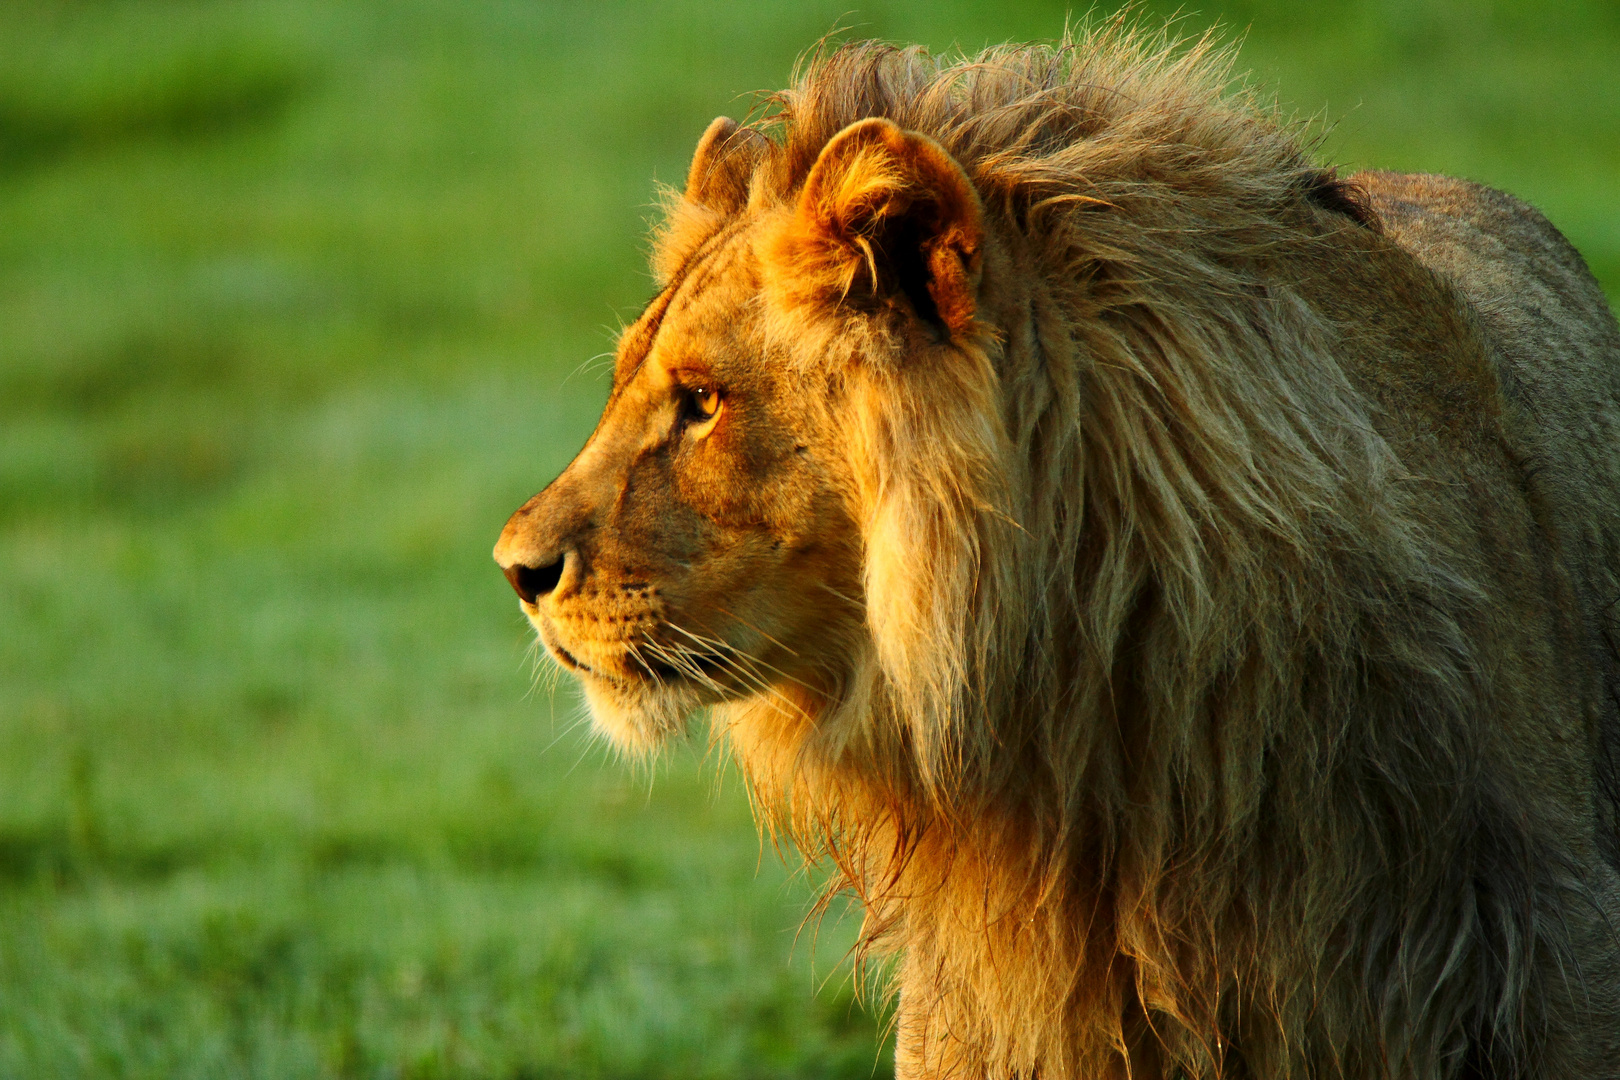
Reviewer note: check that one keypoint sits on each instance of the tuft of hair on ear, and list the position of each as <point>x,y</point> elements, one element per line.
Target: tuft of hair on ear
<point>716,188</point>
<point>887,214</point>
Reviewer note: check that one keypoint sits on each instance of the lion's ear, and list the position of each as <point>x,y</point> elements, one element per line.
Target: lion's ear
<point>890,212</point>
<point>723,164</point>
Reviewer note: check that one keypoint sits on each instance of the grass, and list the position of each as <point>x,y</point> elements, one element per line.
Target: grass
<point>297,302</point>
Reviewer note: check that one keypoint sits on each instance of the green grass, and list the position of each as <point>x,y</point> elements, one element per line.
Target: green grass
<point>297,301</point>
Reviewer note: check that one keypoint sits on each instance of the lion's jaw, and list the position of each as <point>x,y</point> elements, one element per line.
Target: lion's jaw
<point>688,558</point>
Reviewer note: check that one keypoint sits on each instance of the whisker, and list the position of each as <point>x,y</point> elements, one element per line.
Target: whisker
<point>720,652</point>
<point>747,657</point>
<point>684,661</point>
<point>582,716</point>
<point>590,744</point>
<point>735,658</point>
<point>851,601</point>
<point>632,647</point>
<point>757,630</point>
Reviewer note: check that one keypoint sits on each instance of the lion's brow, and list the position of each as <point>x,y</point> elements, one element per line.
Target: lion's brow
<point>652,319</point>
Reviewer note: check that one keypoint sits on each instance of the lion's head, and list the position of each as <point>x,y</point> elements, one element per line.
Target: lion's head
<point>713,539</point>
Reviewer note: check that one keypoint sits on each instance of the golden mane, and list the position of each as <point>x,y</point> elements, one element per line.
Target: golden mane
<point>1148,587</point>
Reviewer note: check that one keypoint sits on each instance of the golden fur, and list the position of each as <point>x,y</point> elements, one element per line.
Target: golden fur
<point>1170,584</point>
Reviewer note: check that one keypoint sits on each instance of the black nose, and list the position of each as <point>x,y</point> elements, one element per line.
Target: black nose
<point>533,582</point>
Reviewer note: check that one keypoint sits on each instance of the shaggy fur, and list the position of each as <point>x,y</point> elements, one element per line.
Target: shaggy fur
<point>1172,585</point>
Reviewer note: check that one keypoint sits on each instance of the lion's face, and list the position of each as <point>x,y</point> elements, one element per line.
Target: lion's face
<point>703,546</point>
<point>698,548</point>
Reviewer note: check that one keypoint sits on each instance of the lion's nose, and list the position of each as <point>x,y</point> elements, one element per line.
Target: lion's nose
<point>533,582</point>
<point>541,541</point>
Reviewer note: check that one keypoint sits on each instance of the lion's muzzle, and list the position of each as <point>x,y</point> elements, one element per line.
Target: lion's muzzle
<point>538,544</point>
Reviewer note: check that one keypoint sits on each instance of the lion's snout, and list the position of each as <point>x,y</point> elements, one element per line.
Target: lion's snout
<point>538,544</point>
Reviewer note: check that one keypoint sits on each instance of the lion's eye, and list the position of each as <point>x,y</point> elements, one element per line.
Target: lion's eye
<point>705,402</point>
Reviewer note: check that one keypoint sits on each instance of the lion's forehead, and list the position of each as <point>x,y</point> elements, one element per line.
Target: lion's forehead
<point>723,276</point>
<point>707,314</point>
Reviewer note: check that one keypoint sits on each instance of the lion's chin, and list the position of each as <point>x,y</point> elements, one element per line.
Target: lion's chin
<point>638,718</point>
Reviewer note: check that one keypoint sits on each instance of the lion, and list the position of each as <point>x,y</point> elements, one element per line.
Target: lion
<point>1170,584</point>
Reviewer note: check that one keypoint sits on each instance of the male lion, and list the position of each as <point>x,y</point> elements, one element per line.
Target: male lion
<point>1170,584</point>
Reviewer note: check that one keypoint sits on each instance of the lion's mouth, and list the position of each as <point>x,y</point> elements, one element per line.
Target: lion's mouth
<point>570,661</point>
<point>705,669</point>
<point>649,662</point>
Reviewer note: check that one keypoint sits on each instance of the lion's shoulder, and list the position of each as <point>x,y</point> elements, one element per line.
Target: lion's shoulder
<point>1545,323</point>
<point>1407,201</point>
<point>1534,294</point>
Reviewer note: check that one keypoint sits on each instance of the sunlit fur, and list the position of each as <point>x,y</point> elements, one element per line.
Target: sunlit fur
<point>1232,698</point>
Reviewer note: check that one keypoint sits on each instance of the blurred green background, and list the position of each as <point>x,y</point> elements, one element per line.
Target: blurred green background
<point>297,302</point>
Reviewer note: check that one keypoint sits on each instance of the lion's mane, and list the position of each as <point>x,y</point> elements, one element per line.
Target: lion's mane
<point>1173,741</point>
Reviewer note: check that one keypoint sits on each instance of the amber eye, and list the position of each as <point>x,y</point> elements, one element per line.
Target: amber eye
<point>705,402</point>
